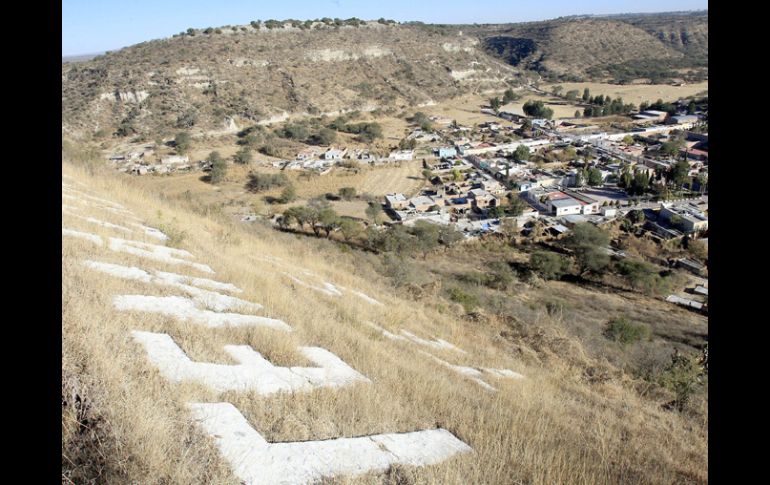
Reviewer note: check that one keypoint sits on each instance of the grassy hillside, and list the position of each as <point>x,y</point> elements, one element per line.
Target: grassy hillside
<point>124,422</point>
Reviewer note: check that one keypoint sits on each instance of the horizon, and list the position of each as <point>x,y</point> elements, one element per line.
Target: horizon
<point>89,29</point>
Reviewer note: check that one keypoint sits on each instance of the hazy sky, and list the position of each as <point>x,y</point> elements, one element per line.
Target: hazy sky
<point>90,26</point>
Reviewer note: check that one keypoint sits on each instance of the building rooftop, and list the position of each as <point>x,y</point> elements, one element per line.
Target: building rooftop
<point>687,211</point>
<point>568,202</point>
<point>421,200</point>
<point>574,219</point>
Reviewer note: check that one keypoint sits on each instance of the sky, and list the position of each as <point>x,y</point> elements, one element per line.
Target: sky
<point>96,26</point>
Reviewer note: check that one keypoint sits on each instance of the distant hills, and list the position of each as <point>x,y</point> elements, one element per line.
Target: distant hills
<point>206,78</point>
<point>619,48</point>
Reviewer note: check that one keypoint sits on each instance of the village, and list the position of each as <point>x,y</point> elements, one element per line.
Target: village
<point>526,176</point>
<point>564,175</point>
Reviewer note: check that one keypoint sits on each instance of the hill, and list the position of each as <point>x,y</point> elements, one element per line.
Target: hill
<point>618,47</point>
<point>220,80</point>
<point>244,75</point>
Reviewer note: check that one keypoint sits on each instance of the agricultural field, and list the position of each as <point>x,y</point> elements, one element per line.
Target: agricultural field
<point>404,177</point>
<point>635,93</point>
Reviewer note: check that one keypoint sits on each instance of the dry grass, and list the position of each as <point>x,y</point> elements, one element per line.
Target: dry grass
<point>551,428</point>
<point>402,177</point>
<point>635,93</point>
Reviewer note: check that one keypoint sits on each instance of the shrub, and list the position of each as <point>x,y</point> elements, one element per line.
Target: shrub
<point>187,119</point>
<point>175,235</point>
<point>288,194</point>
<point>468,301</point>
<point>269,150</point>
<point>682,376</point>
<point>347,193</point>
<point>218,167</point>
<point>324,136</point>
<point>622,331</point>
<point>374,211</point>
<point>265,181</point>
<point>643,276</point>
<point>243,156</point>
<point>294,131</point>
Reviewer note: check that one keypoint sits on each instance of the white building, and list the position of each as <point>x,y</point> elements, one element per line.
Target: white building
<point>334,154</point>
<point>401,155</point>
<point>175,159</point>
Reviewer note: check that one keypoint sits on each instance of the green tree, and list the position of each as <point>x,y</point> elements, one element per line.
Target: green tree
<point>636,216</point>
<point>572,95</point>
<point>640,183</point>
<point>672,146</point>
<point>320,216</point>
<point>497,211</point>
<point>516,205</point>
<point>556,90</point>
<point>521,153</point>
<point>427,235</point>
<point>350,229</point>
<point>548,265</point>
<point>509,96</point>
<point>628,140</point>
<point>626,177</point>
<point>577,113</point>
<point>182,142</point>
<point>679,173</point>
<point>218,167</point>
<point>374,212</point>
<point>586,95</point>
<point>579,178</point>
<point>449,236</point>
<point>588,243</point>
<point>456,175</point>
<point>407,144</point>
<point>298,214</point>
<point>537,109</point>
<point>294,131</point>
<point>697,249</point>
<point>594,177</point>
